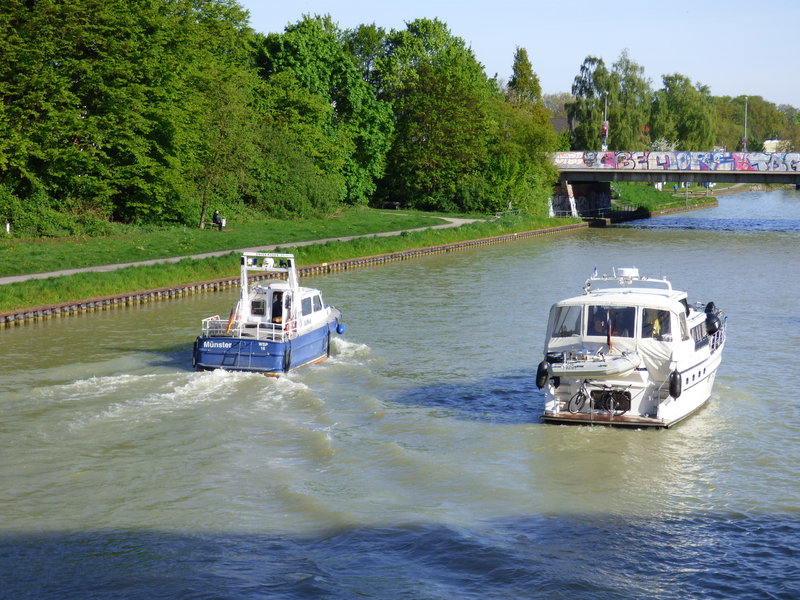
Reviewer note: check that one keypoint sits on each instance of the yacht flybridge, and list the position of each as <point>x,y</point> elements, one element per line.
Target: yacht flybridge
<point>630,351</point>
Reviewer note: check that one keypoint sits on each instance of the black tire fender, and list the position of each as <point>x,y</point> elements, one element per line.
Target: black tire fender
<point>542,374</point>
<point>675,384</point>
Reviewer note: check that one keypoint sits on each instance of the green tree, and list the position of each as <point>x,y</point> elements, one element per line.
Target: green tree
<point>105,99</point>
<point>524,84</point>
<point>519,173</point>
<point>225,152</point>
<point>314,50</point>
<point>683,114</point>
<point>764,121</point>
<point>592,91</point>
<point>300,165</point>
<point>365,44</point>
<point>440,93</point>
<point>557,103</point>
<point>629,105</point>
<point>791,132</point>
<point>729,126</point>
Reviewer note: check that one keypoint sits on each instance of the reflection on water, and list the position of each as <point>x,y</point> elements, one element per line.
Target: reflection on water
<point>412,463</point>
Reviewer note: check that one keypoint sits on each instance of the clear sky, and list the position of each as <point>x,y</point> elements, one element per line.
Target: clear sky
<point>737,47</point>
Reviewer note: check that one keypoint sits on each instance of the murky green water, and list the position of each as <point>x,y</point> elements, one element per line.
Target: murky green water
<point>412,464</point>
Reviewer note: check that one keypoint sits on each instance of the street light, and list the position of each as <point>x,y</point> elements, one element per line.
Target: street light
<point>744,139</point>
<point>604,127</point>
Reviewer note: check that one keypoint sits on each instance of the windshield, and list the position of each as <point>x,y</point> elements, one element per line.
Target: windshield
<point>566,321</point>
<point>611,320</point>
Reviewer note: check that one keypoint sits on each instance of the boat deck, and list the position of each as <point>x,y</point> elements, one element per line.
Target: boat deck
<point>606,419</point>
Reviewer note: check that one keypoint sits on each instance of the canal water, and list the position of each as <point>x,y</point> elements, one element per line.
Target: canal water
<point>412,464</point>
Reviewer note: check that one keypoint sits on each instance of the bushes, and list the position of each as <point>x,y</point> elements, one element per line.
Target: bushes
<point>39,216</point>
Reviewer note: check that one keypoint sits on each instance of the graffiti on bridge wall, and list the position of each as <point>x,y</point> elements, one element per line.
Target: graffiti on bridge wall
<point>680,161</point>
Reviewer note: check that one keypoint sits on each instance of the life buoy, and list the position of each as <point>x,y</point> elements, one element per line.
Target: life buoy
<point>542,374</point>
<point>289,325</point>
<point>675,384</point>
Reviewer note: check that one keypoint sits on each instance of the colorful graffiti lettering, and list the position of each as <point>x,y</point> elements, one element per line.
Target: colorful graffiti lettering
<point>680,161</point>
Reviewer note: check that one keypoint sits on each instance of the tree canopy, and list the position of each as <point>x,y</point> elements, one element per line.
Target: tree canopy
<point>678,115</point>
<point>162,111</point>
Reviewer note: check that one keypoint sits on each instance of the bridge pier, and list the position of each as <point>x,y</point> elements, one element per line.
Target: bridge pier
<point>582,199</point>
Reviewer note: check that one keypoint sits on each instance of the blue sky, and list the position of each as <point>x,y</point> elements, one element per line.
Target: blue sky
<point>736,47</point>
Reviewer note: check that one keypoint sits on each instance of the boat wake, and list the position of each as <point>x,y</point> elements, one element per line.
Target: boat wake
<point>344,351</point>
<point>145,398</point>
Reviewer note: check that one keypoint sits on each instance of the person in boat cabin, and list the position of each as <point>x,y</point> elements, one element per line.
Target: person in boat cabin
<point>277,307</point>
<point>599,326</point>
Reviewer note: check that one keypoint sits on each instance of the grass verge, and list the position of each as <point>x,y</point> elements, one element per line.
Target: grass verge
<point>40,292</point>
<point>19,257</point>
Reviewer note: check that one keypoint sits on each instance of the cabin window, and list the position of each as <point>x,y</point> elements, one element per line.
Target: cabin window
<point>567,321</point>
<point>306,306</point>
<point>655,324</point>
<point>317,303</point>
<point>699,335</point>
<point>611,320</point>
<point>258,308</point>
<point>684,327</point>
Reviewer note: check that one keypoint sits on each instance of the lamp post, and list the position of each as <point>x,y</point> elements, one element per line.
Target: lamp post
<point>744,139</point>
<point>604,126</point>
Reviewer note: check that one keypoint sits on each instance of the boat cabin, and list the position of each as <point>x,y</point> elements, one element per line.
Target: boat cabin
<point>633,315</point>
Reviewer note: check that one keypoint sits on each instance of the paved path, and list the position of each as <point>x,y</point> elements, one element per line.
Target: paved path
<point>451,222</point>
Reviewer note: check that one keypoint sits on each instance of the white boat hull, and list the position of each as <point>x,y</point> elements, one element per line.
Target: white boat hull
<point>630,351</point>
<point>651,404</point>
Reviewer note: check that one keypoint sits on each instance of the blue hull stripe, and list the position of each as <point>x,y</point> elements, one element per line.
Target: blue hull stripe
<point>243,354</point>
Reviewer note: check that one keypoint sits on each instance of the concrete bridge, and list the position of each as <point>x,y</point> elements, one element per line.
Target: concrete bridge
<point>696,167</point>
<point>585,177</point>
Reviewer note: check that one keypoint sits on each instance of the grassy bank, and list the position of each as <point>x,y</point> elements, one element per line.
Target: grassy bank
<point>640,195</point>
<point>132,279</point>
<point>143,243</point>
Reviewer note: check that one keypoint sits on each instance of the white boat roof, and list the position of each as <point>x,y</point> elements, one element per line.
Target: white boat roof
<point>625,287</point>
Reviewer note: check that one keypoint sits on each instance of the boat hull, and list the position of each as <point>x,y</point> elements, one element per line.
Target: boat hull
<point>263,356</point>
<point>612,420</point>
<point>647,410</point>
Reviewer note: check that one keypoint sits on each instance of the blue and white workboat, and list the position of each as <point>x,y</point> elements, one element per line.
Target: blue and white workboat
<point>630,351</point>
<point>276,326</point>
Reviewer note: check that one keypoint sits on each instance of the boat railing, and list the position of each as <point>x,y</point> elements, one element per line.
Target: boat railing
<point>271,332</point>
<point>718,338</point>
